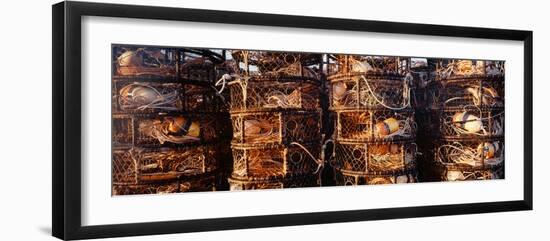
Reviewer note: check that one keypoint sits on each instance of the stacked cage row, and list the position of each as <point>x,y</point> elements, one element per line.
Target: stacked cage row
<point>374,126</point>
<point>467,111</point>
<point>276,120</point>
<point>170,126</point>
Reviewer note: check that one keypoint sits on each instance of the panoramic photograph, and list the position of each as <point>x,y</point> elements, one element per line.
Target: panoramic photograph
<point>188,119</point>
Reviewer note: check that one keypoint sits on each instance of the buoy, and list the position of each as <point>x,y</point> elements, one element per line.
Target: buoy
<point>140,94</point>
<point>129,59</point>
<point>488,150</point>
<point>339,90</point>
<point>386,127</point>
<point>468,122</point>
<point>184,127</point>
<point>402,179</point>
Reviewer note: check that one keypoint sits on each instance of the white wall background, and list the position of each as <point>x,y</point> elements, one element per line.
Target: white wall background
<point>25,122</point>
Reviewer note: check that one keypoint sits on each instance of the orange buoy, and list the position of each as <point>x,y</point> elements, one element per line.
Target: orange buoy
<point>184,127</point>
<point>487,149</point>
<point>386,127</point>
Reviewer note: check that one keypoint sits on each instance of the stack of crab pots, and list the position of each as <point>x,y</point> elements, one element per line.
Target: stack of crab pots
<point>170,127</point>
<point>374,127</point>
<point>467,107</point>
<point>276,118</point>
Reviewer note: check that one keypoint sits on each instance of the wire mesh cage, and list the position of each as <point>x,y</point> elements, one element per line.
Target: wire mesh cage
<point>194,184</point>
<point>375,125</point>
<point>276,127</point>
<point>202,65</point>
<point>151,97</point>
<point>277,65</point>
<point>481,92</point>
<point>180,129</point>
<point>470,153</point>
<point>344,178</point>
<point>340,64</point>
<point>169,64</point>
<point>123,131</point>
<point>374,158</point>
<point>139,166</point>
<point>453,172</point>
<point>369,91</point>
<point>288,182</point>
<point>269,161</point>
<point>254,95</point>
<point>448,69</point>
<point>144,61</point>
<point>471,121</point>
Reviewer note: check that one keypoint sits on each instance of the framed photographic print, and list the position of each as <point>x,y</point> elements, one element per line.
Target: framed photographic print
<point>170,120</point>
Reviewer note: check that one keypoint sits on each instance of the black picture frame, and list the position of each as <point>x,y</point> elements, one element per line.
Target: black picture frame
<point>66,47</point>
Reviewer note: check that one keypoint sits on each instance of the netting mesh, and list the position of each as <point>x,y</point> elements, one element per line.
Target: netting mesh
<point>276,127</point>
<point>471,153</point>
<point>206,183</point>
<point>144,61</point>
<point>124,168</point>
<point>364,64</point>
<point>375,157</point>
<point>123,129</point>
<point>454,173</point>
<point>288,182</point>
<point>360,91</point>
<point>277,64</point>
<point>344,178</point>
<point>471,121</point>
<point>382,125</point>
<point>152,97</point>
<point>464,68</point>
<point>249,95</point>
<point>480,92</point>
<point>180,129</point>
<point>137,165</point>
<point>273,161</point>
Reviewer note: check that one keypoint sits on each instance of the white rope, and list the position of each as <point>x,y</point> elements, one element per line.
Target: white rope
<point>406,96</point>
<point>319,162</point>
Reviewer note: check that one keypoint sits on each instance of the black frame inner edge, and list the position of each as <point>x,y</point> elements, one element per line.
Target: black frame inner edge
<point>66,127</point>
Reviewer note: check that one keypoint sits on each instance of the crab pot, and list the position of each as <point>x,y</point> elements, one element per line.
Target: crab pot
<point>262,161</point>
<point>277,65</point>
<point>375,125</point>
<point>190,184</point>
<point>449,69</point>
<point>201,65</point>
<point>470,153</point>
<point>151,97</point>
<point>276,127</point>
<point>364,64</point>
<point>122,131</point>
<point>140,166</point>
<point>483,92</point>
<point>144,61</point>
<point>360,91</point>
<point>175,130</point>
<point>344,178</point>
<point>471,122</point>
<point>375,157</point>
<point>453,172</point>
<point>236,184</point>
<point>263,95</point>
